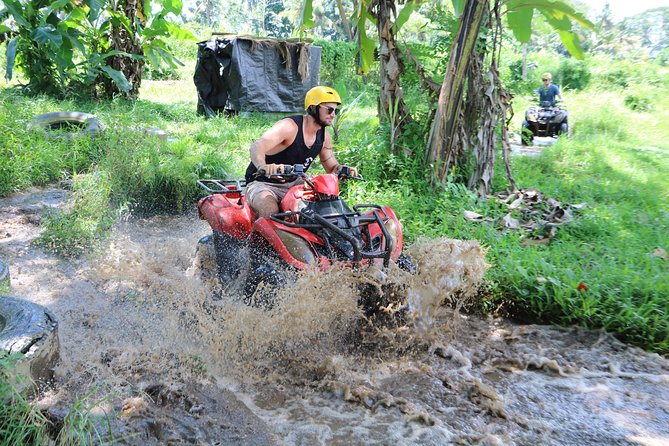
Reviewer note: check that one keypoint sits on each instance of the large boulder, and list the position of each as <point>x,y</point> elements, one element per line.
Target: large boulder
<point>4,277</point>
<point>32,330</point>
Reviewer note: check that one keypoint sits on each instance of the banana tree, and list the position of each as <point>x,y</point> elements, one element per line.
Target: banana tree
<point>447,144</point>
<point>451,136</point>
<point>391,102</point>
<point>39,41</point>
<point>95,46</point>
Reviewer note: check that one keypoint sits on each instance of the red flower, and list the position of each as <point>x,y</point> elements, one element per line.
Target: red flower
<point>582,287</point>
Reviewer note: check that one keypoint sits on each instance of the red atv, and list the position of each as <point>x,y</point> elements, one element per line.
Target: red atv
<point>315,227</point>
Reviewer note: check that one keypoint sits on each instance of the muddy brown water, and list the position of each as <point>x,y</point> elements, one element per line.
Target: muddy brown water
<point>152,354</point>
<point>539,143</point>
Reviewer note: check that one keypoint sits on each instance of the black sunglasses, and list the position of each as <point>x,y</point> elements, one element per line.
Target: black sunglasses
<point>331,110</point>
<point>545,80</point>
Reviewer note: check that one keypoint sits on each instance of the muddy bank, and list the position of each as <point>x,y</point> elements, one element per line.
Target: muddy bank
<point>145,345</point>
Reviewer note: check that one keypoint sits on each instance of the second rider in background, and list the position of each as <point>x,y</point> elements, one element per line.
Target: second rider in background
<point>548,91</point>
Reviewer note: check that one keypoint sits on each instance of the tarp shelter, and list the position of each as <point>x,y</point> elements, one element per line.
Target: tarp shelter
<point>238,73</point>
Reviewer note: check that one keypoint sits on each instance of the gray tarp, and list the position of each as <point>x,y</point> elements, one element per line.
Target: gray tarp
<point>245,74</point>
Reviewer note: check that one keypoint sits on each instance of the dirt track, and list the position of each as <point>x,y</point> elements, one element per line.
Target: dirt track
<point>145,345</point>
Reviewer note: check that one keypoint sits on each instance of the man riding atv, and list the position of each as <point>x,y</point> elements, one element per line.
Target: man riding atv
<point>548,119</point>
<point>278,220</point>
<point>297,139</point>
<point>548,91</point>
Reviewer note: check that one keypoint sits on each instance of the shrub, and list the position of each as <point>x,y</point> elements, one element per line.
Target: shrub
<point>516,70</point>
<point>573,74</point>
<point>337,60</point>
<point>618,76</point>
<point>662,59</point>
<point>638,102</point>
<point>627,74</point>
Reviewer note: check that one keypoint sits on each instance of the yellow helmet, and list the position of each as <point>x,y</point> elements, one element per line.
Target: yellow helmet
<point>546,76</point>
<point>320,94</point>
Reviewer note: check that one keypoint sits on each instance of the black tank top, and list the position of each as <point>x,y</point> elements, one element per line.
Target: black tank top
<point>296,153</point>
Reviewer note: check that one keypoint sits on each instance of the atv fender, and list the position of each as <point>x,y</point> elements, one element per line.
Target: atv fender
<point>292,201</point>
<point>227,213</point>
<point>292,245</point>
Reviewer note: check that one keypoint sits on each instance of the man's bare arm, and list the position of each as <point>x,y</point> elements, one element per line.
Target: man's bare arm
<point>328,159</point>
<point>272,142</point>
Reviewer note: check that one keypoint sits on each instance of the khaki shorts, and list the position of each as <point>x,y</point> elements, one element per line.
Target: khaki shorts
<point>278,190</point>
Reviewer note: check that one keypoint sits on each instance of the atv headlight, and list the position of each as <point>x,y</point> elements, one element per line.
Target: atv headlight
<point>531,117</point>
<point>393,229</point>
<point>297,247</point>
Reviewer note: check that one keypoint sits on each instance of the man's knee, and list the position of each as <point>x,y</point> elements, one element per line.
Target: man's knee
<point>265,204</point>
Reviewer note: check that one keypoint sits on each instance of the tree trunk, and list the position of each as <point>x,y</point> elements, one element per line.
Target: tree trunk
<point>344,19</point>
<point>524,69</point>
<point>489,110</point>
<point>392,107</point>
<point>127,41</point>
<point>442,144</point>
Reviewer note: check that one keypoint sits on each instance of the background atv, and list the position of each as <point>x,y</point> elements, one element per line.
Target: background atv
<point>547,119</point>
<point>315,227</point>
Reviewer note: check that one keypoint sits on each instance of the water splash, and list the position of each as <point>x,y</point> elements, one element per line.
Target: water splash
<point>138,324</point>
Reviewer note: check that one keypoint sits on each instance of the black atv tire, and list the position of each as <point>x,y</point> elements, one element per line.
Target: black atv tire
<point>30,329</point>
<point>73,121</point>
<point>564,129</point>
<point>526,135</point>
<point>406,263</point>
<point>228,256</point>
<point>205,258</point>
<point>269,269</point>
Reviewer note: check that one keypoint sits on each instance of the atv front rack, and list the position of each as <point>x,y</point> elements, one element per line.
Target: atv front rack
<point>222,186</point>
<point>353,220</point>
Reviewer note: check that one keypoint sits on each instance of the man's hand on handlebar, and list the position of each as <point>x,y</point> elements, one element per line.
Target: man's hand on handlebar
<point>281,172</point>
<point>269,170</point>
<point>344,171</point>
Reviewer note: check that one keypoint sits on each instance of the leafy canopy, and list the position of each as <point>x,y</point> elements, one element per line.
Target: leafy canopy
<point>63,44</point>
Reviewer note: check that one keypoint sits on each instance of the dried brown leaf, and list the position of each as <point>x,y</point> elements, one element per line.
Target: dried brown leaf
<point>661,253</point>
<point>473,216</point>
<point>509,222</point>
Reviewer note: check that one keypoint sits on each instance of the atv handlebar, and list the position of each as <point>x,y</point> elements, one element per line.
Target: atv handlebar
<point>221,186</point>
<point>293,172</point>
<point>288,173</point>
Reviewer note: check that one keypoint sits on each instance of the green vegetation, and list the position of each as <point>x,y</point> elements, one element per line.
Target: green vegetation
<point>23,424</point>
<point>20,422</point>
<point>86,48</point>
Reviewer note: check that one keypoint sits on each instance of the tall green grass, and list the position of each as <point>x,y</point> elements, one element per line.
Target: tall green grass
<point>616,163</point>
<point>23,424</point>
<point>20,422</point>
